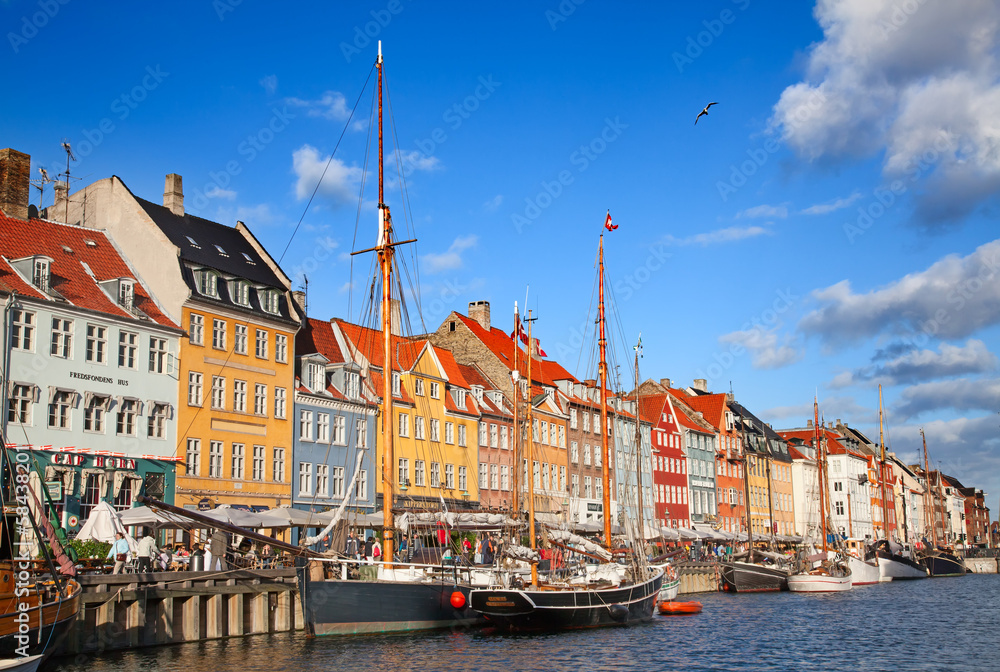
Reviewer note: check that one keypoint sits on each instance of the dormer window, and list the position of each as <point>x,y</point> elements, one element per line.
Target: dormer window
<point>315,377</point>
<point>477,392</point>
<point>40,273</point>
<point>207,282</point>
<point>221,251</point>
<point>194,243</point>
<point>268,300</point>
<point>241,292</point>
<point>459,396</point>
<point>249,259</point>
<point>353,386</point>
<point>126,293</point>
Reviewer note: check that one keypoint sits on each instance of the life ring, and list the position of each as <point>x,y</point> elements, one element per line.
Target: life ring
<point>72,521</point>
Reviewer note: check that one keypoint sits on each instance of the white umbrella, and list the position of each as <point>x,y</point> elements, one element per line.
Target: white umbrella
<point>669,533</point>
<point>143,515</point>
<point>285,516</point>
<point>685,533</point>
<point>102,524</point>
<point>237,517</point>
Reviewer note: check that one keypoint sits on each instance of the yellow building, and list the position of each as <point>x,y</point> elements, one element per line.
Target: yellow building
<point>759,465</point>
<point>435,420</point>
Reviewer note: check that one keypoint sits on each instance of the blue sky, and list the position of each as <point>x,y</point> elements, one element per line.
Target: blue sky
<point>828,226</point>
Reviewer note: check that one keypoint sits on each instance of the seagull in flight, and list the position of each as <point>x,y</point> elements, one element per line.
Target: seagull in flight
<point>703,113</point>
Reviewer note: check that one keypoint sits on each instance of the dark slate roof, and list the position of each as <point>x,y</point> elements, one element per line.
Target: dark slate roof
<point>208,234</point>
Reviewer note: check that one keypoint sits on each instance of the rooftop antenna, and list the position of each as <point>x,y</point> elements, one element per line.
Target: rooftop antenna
<point>40,183</point>
<point>69,157</point>
<point>305,288</point>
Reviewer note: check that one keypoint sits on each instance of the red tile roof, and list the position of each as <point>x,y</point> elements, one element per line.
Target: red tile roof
<point>651,408</point>
<point>317,337</point>
<point>69,249</point>
<point>711,406</point>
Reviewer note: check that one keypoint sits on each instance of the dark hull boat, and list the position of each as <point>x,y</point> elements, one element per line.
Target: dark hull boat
<point>555,609</point>
<point>333,607</point>
<point>941,563</point>
<point>47,613</point>
<point>745,577</point>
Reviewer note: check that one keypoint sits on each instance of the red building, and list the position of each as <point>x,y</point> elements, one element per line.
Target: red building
<point>670,484</point>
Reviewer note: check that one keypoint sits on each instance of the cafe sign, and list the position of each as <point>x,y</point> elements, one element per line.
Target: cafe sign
<point>94,461</point>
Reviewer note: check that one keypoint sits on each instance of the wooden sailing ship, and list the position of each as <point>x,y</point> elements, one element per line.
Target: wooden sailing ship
<point>939,559</point>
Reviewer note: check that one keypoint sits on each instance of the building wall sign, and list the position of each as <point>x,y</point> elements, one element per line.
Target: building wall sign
<point>98,379</point>
<point>97,462</point>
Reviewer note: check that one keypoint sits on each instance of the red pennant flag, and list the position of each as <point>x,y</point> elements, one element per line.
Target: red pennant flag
<point>607,223</point>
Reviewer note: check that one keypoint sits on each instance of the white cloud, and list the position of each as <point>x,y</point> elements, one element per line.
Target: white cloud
<point>769,351</point>
<point>413,160</point>
<point>252,215</point>
<point>331,105</point>
<point>826,208</point>
<point>915,365</point>
<point>961,394</point>
<point>452,259</point>
<point>951,299</point>
<point>340,183</point>
<point>831,407</point>
<point>727,235</point>
<point>780,211</point>
<point>345,288</point>
<point>493,204</point>
<point>917,80</point>
<point>270,84</point>
<point>214,191</point>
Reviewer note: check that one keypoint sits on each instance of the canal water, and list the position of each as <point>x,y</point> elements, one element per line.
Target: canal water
<point>933,624</point>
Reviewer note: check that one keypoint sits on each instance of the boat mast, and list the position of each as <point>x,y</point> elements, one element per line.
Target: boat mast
<point>944,516</point>
<point>516,382</point>
<point>638,453</point>
<point>820,465</point>
<point>770,499</point>
<point>746,488</point>
<point>881,478</point>
<point>385,264</point>
<point>928,495</point>
<point>531,460</point>
<point>602,369</point>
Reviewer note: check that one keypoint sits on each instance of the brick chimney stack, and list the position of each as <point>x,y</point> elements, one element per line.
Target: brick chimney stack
<point>700,384</point>
<point>480,312</point>
<point>15,173</point>
<point>173,194</point>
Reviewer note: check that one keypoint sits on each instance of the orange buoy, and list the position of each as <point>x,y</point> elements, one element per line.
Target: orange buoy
<point>457,599</point>
<point>679,608</point>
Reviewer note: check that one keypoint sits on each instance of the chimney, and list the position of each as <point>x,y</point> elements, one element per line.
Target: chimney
<point>809,423</point>
<point>480,312</point>
<point>590,382</point>
<point>300,301</point>
<point>666,382</point>
<point>700,384</point>
<point>173,194</point>
<point>59,206</point>
<point>15,173</point>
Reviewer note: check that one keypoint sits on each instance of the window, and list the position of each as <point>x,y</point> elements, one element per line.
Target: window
<point>353,385</point>
<point>258,463</point>
<point>127,345</point>
<point>504,477</point>
<point>597,424</point>
<point>261,345</point>
<point>40,274</point>
<point>463,479</point>
<point>315,376</point>
<point>361,487</point>
<point>279,403</point>
<point>403,471</point>
<point>588,491</point>
<point>215,459</point>
<point>449,432</point>
<point>598,488</point>
<point>435,430</point>
<point>562,436</point>
<point>494,436</point>
<point>194,388</point>
<point>418,387</point>
<point>435,474</point>
<point>91,495</point>
<point>575,485</point>
<point>157,355</point>
<point>360,426</point>
<point>574,453</point>
<point>483,430</point>
<point>240,339</point>
<point>22,330</point>
<point>597,456</point>
<point>157,421</point>
<point>461,435</point>
<point>338,483</point>
<point>241,292</point>
<point>586,421</point>
<point>396,385</point>
<point>192,458</point>
<point>449,476</point>
<point>572,418</point>
<point>218,392</point>
<point>268,299</point>
<point>21,399</point>
<point>534,431</point>
<point>208,283</point>
<point>537,474</point>
<point>260,399</point>
<point>306,425</point>
<point>562,479</point>
<point>323,480</point>
<point>839,508</point>
<point>419,473</point>
<point>127,413</point>
<point>545,476</point>
<point>418,428</point>
<point>460,398</point>
<point>305,478</point>
<point>219,334</point>
<point>240,396</point>
<point>238,462</point>
<point>545,432</point>
<point>504,445</point>
<point>62,338</point>
<point>323,427</point>
<point>404,424</point>
<point>484,475</point>
<point>435,390</point>
<point>93,414</point>
<point>281,348</point>
<point>196,329</point>
<point>494,476</point>
<point>278,466</point>
<point>838,486</point>
<point>97,344</point>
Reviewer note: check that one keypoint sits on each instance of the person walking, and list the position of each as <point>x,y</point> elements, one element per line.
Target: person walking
<point>369,545</point>
<point>147,552</point>
<point>218,545</point>
<point>351,549</point>
<point>119,552</point>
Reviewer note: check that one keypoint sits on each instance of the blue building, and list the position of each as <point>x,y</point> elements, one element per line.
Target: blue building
<point>627,472</point>
<point>334,433</point>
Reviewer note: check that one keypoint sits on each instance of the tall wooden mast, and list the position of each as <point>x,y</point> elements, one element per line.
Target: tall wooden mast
<point>820,466</point>
<point>638,449</point>
<point>385,264</point>
<point>602,369</point>
<point>531,459</point>
<point>929,513</point>
<point>515,376</point>
<point>881,476</point>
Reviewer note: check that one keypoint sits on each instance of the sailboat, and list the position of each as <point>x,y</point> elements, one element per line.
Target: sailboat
<point>611,595</point>
<point>894,563</point>
<point>865,571</point>
<point>831,574</point>
<point>386,597</point>
<point>940,560</point>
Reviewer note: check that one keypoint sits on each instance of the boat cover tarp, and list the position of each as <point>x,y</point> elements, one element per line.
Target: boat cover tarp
<point>568,538</point>
<point>453,520</point>
<point>521,553</point>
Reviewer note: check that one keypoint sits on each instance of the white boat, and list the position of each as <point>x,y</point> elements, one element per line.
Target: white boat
<point>898,568</point>
<point>818,582</point>
<point>20,664</point>
<point>669,589</point>
<point>863,573</point>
